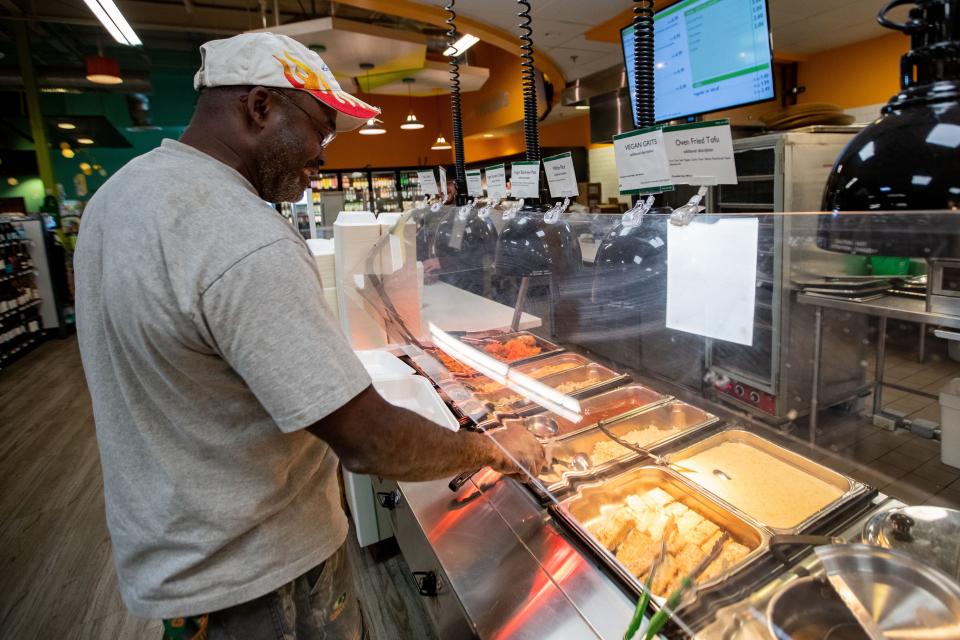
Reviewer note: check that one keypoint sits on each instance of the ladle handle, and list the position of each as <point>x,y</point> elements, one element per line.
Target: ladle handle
<point>462,479</point>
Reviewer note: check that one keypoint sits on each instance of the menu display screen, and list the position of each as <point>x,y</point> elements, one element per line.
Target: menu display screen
<point>709,55</point>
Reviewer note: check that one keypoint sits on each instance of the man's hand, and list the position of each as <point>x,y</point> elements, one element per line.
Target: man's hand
<point>523,447</point>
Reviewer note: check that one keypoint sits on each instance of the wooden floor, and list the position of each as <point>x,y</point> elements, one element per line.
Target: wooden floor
<point>56,573</point>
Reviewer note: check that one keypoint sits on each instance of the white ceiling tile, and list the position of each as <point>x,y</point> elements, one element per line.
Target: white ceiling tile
<point>581,42</point>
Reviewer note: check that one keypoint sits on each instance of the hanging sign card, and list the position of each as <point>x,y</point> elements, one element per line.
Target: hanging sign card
<point>525,179</point>
<point>443,181</point>
<point>428,182</point>
<point>474,183</point>
<point>561,176</point>
<point>497,181</point>
<point>642,165</point>
<point>701,153</point>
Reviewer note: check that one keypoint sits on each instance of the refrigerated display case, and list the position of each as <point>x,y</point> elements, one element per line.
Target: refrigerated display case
<point>410,191</point>
<point>356,191</point>
<point>386,194</point>
<point>653,490</point>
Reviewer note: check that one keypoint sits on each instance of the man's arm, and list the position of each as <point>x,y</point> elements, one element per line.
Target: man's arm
<point>372,436</point>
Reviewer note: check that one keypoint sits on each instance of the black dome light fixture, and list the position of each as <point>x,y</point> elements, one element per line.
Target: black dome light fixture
<point>910,157</point>
<point>464,239</point>
<point>529,245</point>
<point>633,245</point>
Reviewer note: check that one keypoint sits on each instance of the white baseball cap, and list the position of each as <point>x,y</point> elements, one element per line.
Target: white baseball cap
<point>278,61</point>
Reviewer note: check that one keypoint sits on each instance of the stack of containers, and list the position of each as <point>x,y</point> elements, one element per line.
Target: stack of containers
<point>323,254</point>
<point>354,235</point>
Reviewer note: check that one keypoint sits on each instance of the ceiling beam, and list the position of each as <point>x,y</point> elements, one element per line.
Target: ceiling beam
<point>438,17</point>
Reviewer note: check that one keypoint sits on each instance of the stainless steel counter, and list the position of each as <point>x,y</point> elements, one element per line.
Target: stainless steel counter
<point>512,573</point>
<point>504,568</point>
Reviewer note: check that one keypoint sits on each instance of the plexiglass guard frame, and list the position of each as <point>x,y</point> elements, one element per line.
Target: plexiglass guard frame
<point>670,450</point>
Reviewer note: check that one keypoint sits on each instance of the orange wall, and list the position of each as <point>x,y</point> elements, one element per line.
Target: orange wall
<point>855,75</point>
<point>570,132</point>
<point>396,148</point>
<point>500,101</point>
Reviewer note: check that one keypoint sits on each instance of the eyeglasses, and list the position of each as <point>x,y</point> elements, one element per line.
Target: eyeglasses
<point>327,136</point>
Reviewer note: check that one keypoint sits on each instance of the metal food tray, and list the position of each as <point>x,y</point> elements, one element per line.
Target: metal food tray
<point>619,402</point>
<point>547,348</point>
<point>607,379</point>
<point>583,507</point>
<point>851,490</point>
<point>683,420</point>
<point>531,369</point>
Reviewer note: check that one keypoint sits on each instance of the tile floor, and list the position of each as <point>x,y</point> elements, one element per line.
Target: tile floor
<point>898,463</point>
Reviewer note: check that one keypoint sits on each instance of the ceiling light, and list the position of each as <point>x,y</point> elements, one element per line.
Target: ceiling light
<point>460,46</point>
<point>582,106</point>
<point>488,135</point>
<point>67,153</point>
<point>85,140</point>
<point>411,122</point>
<point>441,144</point>
<point>85,166</point>
<point>12,182</point>
<point>372,128</point>
<point>113,21</point>
<point>101,70</point>
<point>66,126</point>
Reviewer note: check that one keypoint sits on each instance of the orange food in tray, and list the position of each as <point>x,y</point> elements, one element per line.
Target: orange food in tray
<point>514,349</point>
<point>453,366</point>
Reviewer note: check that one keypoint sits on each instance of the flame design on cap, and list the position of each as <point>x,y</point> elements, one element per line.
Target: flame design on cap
<point>301,75</point>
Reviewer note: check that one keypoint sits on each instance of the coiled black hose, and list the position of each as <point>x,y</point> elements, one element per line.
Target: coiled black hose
<point>531,133</point>
<point>456,107</point>
<point>643,54</point>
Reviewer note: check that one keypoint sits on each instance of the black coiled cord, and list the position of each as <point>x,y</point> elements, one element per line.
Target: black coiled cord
<point>456,107</point>
<point>531,133</point>
<point>643,54</point>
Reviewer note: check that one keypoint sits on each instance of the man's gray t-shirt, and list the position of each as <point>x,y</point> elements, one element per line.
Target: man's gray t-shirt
<point>207,349</point>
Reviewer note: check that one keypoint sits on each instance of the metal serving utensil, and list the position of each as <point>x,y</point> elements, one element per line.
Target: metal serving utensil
<point>660,460</point>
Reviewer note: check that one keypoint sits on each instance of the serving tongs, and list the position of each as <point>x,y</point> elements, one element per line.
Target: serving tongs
<point>661,617</point>
<point>658,460</point>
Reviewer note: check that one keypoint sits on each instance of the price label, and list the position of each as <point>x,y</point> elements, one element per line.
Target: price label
<point>701,153</point>
<point>428,182</point>
<point>474,183</point>
<point>497,181</point>
<point>642,164</point>
<point>525,179</point>
<point>561,176</point>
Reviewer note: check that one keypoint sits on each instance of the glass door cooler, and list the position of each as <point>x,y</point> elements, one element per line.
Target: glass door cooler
<point>356,191</point>
<point>410,191</point>
<point>386,195</point>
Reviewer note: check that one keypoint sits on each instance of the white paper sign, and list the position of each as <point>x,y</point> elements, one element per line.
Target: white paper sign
<point>525,179</point>
<point>701,153</point>
<point>561,176</point>
<point>642,164</point>
<point>474,183</point>
<point>443,181</point>
<point>497,181</point>
<point>701,254</point>
<point>428,182</point>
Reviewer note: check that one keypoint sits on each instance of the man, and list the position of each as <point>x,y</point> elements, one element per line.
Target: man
<point>223,394</point>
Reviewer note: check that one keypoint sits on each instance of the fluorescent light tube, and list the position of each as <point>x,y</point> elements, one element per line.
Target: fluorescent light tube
<point>113,21</point>
<point>460,46</point>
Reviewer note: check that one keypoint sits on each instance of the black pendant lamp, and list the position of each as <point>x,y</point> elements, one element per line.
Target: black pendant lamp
<point>910,157</point>
<point>465,241</point>
<point>528,245</point>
